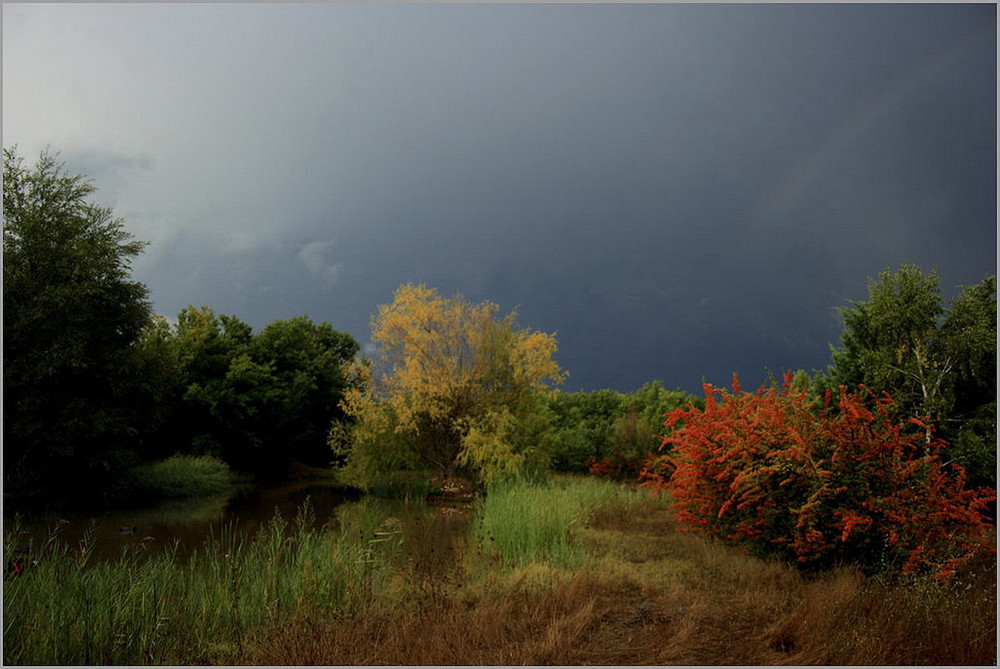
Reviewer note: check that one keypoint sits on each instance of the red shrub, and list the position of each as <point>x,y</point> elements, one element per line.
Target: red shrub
<point>618,468</point>
<point>602,467</point>
<point>774,474</point>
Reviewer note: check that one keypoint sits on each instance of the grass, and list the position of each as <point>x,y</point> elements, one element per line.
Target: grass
<point>578,572</point>
<point>157,609</point>
<point>522,523</point>
<point>637,591</point>
<point>179,476</point>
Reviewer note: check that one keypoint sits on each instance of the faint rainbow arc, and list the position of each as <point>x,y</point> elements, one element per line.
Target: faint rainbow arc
<point>860,121</point>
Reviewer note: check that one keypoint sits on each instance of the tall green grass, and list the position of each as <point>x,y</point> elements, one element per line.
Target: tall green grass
<point>522,522</point>
<point>157,609</point>
<point>180,476</point>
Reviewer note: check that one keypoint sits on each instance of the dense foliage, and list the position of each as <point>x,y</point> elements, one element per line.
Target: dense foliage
<point>254,400</point>
<point>95,387</point>
<point>820,485</point>
<point>456,391</point>
<point>607,432</point>
<point>74,394</point>
<point>935,362</point>
<point>97,391</point>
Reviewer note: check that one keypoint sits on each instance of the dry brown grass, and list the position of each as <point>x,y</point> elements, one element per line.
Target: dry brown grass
<point>650,595</point>
<point>843,620</point>
<point>525,626</point>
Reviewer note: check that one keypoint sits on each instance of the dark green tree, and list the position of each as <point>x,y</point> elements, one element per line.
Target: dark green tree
<point>72,318</point>
<point>584,424</point>
<point>638,428</point>
<point>222,390</point>
<point>257,401</point>
<point>305,360</point>
<point>892,342</point>
<point>159,376</point>
<point>970,339</point>
<point>618,429</point>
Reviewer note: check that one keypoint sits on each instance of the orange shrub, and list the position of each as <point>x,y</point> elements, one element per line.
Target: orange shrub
<point>775,474</point>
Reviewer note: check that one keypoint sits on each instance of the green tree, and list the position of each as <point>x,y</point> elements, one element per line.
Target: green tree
<point>970,338</point>
<point>652,402</point>
<point>72,319</point>
<point>892,341</point>
<point>615,430</point>
<point>455,385</point>
<point>158,382</point>
<point>638,428</point>
<point>306,361</point>
<point>257,401</point>
<point>935,362</point>
<point>584,424</point>
<point>220,388</point>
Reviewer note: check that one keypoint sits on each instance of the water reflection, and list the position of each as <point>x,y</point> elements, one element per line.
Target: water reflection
<point>431,536</point>
<point>187,523</point>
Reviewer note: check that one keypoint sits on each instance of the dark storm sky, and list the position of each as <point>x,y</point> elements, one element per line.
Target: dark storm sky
<point>679,191</point>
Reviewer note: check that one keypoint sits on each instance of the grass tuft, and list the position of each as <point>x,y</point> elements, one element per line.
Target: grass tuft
<point>518,523</point>
<point>180,476</point>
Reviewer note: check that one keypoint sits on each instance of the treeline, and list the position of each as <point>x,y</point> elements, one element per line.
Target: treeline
<point>458,389</point>
<point>96,387</point>
<point>610,433</point>
<point>100,394</point>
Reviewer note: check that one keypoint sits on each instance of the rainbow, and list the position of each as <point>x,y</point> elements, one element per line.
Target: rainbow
<point>858,123</point>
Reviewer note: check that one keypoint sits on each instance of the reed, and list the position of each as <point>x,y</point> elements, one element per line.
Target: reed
<point>411,485</point>
<point>521,522</point>
<point>157,609</point>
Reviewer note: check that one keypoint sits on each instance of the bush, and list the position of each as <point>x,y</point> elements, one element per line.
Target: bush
<point>180,476</point>
<point>775,474</point>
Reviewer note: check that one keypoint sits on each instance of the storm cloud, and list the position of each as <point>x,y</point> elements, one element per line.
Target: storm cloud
<point>679,191</point>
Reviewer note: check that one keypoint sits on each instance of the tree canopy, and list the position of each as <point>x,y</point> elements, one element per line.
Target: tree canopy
<point>450,391</point>
<point>72,318</point>
<point>936,362</point>
<point>255,400</point>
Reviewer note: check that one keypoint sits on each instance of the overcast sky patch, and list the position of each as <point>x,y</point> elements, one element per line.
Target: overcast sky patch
<point>681,191</point>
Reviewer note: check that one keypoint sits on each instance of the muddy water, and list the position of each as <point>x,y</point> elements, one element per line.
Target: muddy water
<point>428,532</point>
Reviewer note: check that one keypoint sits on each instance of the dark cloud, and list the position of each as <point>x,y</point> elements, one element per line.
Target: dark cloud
<point>681,191</point>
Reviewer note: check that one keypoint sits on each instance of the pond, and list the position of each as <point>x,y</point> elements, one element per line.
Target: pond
<point>429,531</point>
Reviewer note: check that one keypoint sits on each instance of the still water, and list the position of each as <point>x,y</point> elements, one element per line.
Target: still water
<point>188,523</point>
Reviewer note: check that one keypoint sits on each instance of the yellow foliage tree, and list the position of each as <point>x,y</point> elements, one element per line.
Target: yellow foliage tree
<point>452,384</point>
